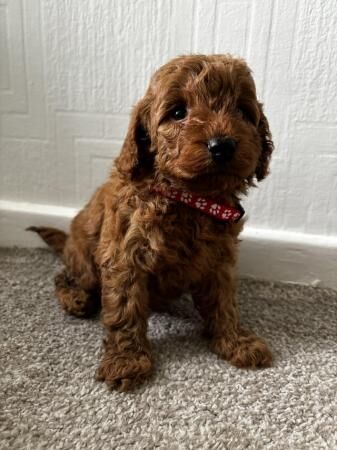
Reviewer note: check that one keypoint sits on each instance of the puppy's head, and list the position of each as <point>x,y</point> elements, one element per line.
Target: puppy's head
<point>200,126</point>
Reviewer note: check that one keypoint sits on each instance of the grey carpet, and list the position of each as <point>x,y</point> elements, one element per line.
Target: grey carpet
<point>49,399</point>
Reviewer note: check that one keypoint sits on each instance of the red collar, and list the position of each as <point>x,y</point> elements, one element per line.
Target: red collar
<point>210,207</point>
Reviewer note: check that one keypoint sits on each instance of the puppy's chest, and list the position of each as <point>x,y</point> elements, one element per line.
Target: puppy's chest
<point>187,241</point>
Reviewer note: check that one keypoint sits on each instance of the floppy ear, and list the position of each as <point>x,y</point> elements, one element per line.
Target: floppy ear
<point>135,158</point>
<point>267,146</point>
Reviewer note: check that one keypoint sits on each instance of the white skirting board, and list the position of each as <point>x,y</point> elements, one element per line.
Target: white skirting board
<point>265,254</point>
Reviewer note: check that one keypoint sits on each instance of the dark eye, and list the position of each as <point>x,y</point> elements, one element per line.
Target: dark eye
<point>240,111</point>
<point>179,112</point>
<point>245,114</point>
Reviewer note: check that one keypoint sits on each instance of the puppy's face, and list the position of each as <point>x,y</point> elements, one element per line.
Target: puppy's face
<point>201,126</point>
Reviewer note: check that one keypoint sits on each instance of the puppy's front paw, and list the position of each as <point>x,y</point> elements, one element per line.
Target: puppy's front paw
<point>124,371</point>
<point>248,351</point>
<point>251,352</point>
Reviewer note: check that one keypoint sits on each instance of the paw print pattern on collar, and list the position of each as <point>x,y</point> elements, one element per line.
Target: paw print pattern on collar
<point>217,210</point>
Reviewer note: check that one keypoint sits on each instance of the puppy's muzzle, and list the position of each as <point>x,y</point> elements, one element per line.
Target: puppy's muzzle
<point>222,149</point>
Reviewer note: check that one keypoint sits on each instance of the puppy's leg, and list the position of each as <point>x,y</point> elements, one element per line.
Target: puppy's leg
<point>216,302</point>
<point>74,298</point>
<point>77,286</point>
<point>126,360</point>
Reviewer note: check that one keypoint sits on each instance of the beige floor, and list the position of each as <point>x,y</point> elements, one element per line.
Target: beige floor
<point>49,400</point>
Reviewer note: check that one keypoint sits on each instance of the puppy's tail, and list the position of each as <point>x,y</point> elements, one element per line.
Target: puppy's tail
<point>55,238</point>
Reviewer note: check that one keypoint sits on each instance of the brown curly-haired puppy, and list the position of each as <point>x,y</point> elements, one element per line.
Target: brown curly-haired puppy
<point>166,221</point>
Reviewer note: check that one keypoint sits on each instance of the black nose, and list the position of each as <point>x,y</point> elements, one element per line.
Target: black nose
<point>222,148</point>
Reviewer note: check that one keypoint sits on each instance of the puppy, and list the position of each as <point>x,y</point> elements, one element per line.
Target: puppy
<point>168,218</point>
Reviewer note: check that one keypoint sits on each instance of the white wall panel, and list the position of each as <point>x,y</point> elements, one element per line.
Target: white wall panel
<point>71,70</point>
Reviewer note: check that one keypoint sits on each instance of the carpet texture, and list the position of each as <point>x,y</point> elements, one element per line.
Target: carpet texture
<point>49,399</point>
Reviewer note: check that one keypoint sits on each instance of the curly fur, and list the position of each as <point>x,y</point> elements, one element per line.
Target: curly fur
<point>131,250</point>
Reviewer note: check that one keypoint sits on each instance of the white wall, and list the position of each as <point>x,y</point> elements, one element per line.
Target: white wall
<point>70,71</point>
